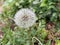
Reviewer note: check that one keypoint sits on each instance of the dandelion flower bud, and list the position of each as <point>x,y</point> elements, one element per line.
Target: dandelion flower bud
<point>25,18</point>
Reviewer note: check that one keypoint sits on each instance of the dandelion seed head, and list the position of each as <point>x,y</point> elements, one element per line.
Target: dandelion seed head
<point>25,18</point>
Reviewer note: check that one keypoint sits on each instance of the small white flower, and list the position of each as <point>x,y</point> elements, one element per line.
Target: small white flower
<point>25,18</point>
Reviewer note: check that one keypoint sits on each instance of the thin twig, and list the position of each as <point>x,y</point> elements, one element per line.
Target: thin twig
<point>37,40</point>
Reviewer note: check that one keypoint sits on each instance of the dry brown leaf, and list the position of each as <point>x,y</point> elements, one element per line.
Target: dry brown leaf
<point>1,34</point>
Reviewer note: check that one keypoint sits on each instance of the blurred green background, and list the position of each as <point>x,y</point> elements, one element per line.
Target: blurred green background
<point>46,29</point>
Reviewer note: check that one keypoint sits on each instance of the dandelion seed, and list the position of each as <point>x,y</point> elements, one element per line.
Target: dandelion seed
<point>25,18</point>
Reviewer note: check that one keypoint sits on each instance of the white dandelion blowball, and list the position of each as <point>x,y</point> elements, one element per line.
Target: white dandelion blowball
<point>25,18</point>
